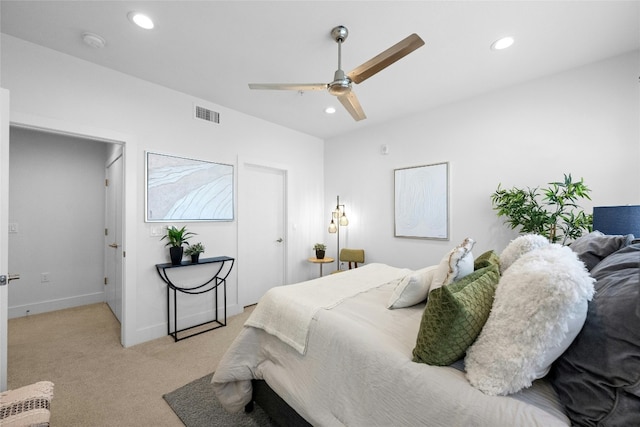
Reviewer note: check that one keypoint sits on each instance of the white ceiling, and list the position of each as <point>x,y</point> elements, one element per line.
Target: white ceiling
<point>213,49</point>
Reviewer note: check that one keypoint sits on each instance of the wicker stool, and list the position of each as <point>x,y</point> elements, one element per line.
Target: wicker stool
<point>27,406</point>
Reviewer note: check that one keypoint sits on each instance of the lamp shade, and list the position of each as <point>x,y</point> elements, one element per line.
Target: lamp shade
<point>617,219</point>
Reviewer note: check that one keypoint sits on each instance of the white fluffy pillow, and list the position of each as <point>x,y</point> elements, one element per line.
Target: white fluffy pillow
<point>520,246</point>
<point>456,264</point>
<point>539,307</point>
<point>413,289</point>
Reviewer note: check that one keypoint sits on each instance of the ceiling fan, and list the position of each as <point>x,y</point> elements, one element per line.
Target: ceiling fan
<point>341,84</point>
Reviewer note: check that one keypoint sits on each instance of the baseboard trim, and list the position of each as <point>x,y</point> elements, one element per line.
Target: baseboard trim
<point>160,330</point>
<point>54,305</point>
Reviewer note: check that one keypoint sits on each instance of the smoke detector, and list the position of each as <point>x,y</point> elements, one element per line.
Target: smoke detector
<point>93,40</point>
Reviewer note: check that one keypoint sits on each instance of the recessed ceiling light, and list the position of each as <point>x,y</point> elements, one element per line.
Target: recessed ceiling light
<point>330,110</point>
<point>141,20</point>
<point>502,43</point>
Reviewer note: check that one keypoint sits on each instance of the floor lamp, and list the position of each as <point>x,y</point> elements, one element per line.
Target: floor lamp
<point>338,218</point>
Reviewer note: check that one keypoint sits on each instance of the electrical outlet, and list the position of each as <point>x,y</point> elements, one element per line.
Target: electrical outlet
<point>13,227</point>
<point>44,277</point>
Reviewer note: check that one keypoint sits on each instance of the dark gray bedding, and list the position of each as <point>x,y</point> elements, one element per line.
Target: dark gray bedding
<point>598,377</point>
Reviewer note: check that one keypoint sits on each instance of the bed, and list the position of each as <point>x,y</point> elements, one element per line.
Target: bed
<point>334,354</point>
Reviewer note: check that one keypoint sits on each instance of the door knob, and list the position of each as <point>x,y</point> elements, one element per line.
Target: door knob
<point>4,280</point>
<point>280,240</point>
<point>113,245</point>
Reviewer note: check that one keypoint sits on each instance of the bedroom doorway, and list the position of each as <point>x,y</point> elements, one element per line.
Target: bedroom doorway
<point>262,236</point>
<point>68,135</point>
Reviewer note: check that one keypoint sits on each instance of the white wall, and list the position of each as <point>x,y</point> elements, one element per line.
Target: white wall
<point>584,121</point>
<point>56,201</point>
<point>56,88</point>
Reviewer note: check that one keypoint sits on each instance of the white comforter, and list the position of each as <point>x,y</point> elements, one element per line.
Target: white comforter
<point>287,311</point>
<point>357,371</point>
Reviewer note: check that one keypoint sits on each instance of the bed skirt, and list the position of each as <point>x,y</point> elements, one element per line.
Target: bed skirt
<point>275,407</point>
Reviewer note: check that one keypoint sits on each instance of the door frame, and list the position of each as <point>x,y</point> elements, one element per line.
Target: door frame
<point>244,244</point>
<point>116,156</point>
<point>4,231</point>
<point>129,210</point>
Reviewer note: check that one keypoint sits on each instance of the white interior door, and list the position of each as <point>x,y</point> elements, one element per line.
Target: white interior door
<point>4,231</point>
<point>113,237</point>
<point>263,240</point>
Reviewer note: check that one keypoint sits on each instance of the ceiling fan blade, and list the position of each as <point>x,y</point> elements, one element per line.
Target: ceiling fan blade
<point>288,86</point>
<point>351,103</point>
<point>386,58</point>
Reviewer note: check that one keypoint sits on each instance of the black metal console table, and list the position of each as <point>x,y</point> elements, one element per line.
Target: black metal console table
<point>213,284</point>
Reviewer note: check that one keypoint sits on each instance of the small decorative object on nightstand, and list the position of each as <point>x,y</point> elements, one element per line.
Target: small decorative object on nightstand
<point>320,249</point>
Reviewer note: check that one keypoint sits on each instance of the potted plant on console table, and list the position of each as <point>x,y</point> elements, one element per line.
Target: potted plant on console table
<point>194,251</point>
<point>176,238</point>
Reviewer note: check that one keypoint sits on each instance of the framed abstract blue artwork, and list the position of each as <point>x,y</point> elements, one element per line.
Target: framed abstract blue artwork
<point>182,189</point>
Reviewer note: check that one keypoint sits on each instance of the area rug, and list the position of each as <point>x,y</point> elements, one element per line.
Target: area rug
<point>197,406</point>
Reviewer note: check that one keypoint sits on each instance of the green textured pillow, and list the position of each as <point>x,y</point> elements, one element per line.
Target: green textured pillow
<point>486,259</point>
<point>454,316</point>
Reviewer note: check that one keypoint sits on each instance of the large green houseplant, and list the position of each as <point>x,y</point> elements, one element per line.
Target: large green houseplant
<point>176,238</point>
<point>552,212</point>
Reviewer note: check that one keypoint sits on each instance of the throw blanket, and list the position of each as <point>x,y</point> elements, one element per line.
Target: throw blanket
<point>286,311</point>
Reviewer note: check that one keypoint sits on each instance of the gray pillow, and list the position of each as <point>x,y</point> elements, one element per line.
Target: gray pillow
<point>598,377</point>
<point>595,246</point>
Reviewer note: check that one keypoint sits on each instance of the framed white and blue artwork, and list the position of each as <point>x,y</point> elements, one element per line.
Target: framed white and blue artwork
<point>422,201</point>
<point>182,189</point>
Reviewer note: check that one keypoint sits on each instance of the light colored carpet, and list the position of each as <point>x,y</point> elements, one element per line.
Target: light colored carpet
<point>97,381</point>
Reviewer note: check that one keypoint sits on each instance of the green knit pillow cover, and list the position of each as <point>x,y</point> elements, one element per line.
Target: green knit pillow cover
<point>454,317</point>
<point>486,259</point>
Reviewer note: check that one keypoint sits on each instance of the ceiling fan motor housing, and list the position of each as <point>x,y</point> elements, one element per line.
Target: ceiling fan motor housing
<point>340,85</point>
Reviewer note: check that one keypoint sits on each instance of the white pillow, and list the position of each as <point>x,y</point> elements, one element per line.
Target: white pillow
<point>413,289</point>
<point>539,307</point>
<point>520,246</point>
<point>456,264</point>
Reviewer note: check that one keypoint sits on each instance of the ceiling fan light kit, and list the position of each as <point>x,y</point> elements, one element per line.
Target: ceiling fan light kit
<point>341,86</point>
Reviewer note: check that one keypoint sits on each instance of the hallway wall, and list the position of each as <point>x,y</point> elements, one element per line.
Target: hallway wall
<point>57,203</point>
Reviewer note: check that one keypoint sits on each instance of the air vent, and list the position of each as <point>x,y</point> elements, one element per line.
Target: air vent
<point>206,114</point>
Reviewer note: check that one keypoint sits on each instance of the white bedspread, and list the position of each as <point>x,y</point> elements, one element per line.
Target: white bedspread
<point>286,311</point>
<point>357,371</point>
